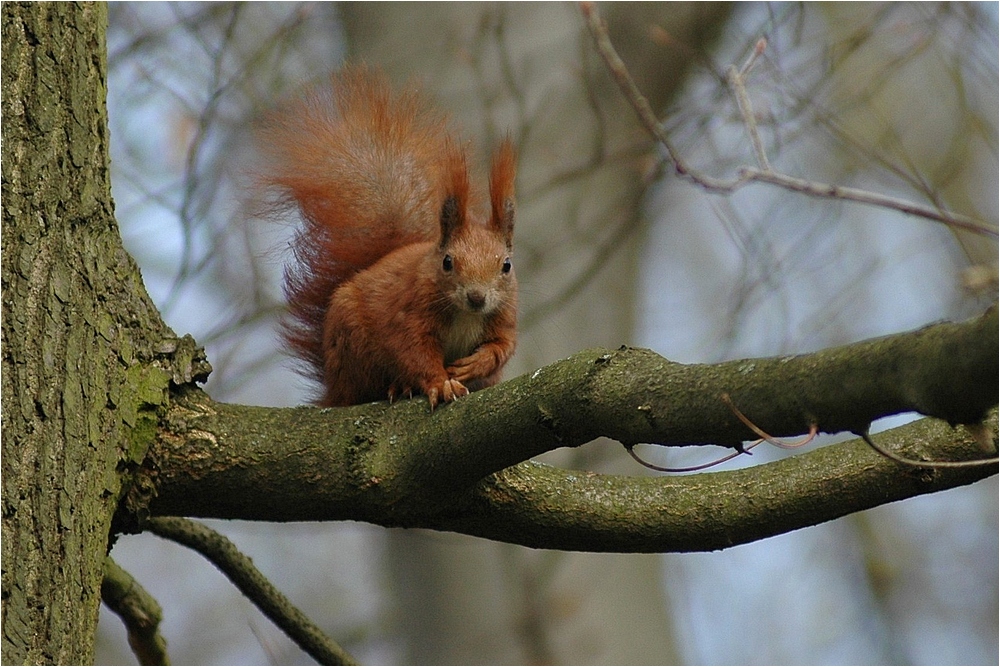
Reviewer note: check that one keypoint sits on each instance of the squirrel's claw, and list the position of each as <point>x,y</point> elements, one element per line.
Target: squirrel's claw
<point>395,391</point>
<point>448,391</point>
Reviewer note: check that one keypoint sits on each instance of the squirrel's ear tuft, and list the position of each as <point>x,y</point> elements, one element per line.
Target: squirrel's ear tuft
<point>502,191</point>
<point>456,202</point>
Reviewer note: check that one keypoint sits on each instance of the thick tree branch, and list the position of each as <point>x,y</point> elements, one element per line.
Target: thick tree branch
<point>400,465</point>
<point>544,507</point>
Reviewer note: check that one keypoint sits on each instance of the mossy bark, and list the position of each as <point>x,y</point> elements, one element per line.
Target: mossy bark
<point>459,467</point>
<point>82,383</point>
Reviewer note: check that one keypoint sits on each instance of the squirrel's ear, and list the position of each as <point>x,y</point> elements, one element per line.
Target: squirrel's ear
<point>456,199</point>
<point>502,192</point>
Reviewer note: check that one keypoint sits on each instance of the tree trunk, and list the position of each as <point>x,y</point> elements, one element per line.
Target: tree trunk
<point>80,394</point>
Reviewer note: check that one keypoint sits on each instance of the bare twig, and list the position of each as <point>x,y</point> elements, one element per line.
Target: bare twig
<point>765,174</point>
<point>737,80</point>
<point>827,191</point>
<point>641,105</point>
<point>695,468</point>
<point>138,610</point>
<point>764,437</point>
<point>925,464</point>
<point>252,583</point>
<point>758,51</point>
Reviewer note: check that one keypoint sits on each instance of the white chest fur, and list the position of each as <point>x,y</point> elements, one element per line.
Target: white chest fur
<point>463,336</point>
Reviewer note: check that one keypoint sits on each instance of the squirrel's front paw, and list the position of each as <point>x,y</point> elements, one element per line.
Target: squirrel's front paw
<point>478,365</point>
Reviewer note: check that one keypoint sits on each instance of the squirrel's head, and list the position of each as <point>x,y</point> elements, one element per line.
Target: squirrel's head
<point>475,253</point>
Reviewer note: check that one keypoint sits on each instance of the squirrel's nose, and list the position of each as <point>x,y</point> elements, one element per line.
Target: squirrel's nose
<point>476,299</point>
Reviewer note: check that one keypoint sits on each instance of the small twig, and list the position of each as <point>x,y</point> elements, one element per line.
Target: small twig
<point>764,437</point>
<point>806,439</point>
<point>925,464</point>
<point>758,51</point>
<point>701,466</point>
<point>737,80</point>
<point>771,440</point>
<point>252,583</point>
<point>640,104</point>
<point>138,610</point>
<point>827,191</point>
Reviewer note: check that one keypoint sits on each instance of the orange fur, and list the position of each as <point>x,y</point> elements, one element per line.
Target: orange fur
<point>400,284</point>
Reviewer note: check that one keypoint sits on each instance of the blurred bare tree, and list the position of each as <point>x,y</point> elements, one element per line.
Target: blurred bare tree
<point>897,99</point>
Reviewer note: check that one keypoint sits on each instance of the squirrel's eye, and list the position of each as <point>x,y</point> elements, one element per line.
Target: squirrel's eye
<point>448,264</point>
<point>506,265</point>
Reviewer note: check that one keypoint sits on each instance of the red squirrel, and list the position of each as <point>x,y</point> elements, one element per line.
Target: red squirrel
<point>401,283</point>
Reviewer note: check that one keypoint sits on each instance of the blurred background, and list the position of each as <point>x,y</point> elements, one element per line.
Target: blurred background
<point>611,249</point>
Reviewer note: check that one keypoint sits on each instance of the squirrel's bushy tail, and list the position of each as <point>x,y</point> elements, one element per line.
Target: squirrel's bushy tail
<point>368,171</point>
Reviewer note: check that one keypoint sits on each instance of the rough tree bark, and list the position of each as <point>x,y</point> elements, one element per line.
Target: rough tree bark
<point>84,365</point>
<point>464,468</point>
